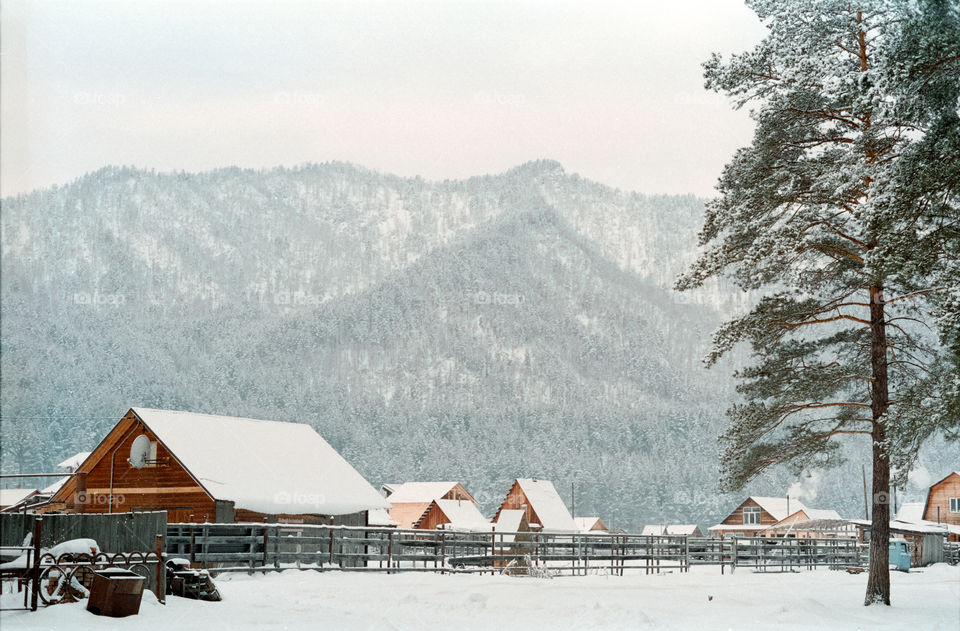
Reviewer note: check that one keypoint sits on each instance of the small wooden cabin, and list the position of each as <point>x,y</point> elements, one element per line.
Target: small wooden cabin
<point>452,515</point>
<point>589,524</point>
<point>756,514</point>
<point>410,500</point>
<point>542,504</point>
<point>943,503</point>
<point>206,468</point>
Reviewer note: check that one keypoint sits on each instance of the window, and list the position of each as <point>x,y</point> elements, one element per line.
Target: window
<point>751,514</point>
<point>955,504</point>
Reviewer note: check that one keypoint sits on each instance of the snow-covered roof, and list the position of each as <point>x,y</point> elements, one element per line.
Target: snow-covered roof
<point>922,528</point>
<point>911,512</point>
<point>53,488</point>
<point>510,520</point>
<point>418,491</point>
<point>12,497</point>
<point>821,513</point>
<point>778,507</point>
<point>74,461</point>
<point>736,527</point>
<point>669,529</point>
<point>263,466</point>
<point>546,503</point>
<point>587,524</point>
<point>380,517</point>
<point>463,515</point>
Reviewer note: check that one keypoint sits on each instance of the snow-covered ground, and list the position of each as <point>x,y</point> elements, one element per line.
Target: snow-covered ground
<point>927,600</point>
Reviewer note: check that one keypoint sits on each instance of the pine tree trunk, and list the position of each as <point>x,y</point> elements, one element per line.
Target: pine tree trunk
<point>878,583</point>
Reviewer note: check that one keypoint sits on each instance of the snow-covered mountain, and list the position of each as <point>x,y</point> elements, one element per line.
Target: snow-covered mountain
<point>520,324</point>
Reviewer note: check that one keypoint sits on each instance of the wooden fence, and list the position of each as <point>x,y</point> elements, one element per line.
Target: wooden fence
<point>40,575</point>
<point>117,532</point>
<point>248,547</point>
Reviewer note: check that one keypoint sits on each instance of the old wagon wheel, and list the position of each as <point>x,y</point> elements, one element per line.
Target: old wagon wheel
<point>63,585</point>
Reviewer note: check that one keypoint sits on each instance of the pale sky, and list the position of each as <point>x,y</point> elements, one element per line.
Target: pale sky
<point>439,89</point>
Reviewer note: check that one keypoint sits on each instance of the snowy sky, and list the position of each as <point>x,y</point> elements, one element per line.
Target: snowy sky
<point>439,89</point>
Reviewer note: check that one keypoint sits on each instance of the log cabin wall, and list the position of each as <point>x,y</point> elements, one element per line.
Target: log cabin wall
<point>516,499</point>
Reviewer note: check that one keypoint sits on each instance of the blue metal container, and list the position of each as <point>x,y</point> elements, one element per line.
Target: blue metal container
<point>900,555</point>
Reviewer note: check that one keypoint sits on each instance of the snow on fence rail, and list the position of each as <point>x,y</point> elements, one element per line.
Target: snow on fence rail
<point>246,547</point>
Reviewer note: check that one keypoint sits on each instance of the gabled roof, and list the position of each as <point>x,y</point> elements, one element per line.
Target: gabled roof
<point>778,507</point>
<point>418,491</point>
<point>926,504</point>
<point>669,529</point>
<point>546,503</point>
<point>264,466</point>
<point>463,515</point>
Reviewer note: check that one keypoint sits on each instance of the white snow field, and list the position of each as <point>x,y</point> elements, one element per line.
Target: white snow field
<point>924,600</point>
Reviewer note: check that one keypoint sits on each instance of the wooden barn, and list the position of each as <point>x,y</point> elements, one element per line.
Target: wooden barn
<point>943,503</point>
<point>206,468</point>
<point>542,504</point>
<point>410,500</point>
<point>756,514</point>
<point>453,515</point>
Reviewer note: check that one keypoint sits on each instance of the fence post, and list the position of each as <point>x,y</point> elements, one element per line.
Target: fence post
<point>443,551</point>
<point>389,551</point>
<point>733,556</point>
<point>37,534</point>
<point>161,572</point>
<point>266,542</point>
<point>276,547</point>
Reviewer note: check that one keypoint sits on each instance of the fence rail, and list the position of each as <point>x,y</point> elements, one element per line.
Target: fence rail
<point>248,547</point>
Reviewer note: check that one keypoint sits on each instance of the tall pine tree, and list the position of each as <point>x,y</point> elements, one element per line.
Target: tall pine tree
<point>843,216</point>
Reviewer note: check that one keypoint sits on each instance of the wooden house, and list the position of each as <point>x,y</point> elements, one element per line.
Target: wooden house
<point>452,515</point>
<point>589,524</point>
<point>542,504</point>
<point>689,530</point>
<point>410,500</point>
<point>943,504</point>
<point>756,514</point>
<point>206,468</point>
